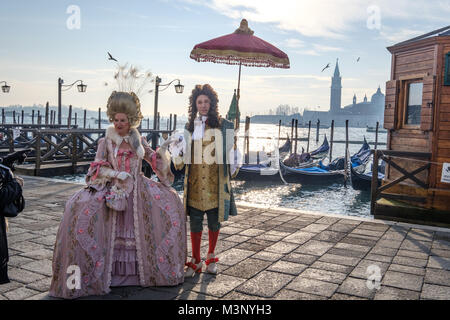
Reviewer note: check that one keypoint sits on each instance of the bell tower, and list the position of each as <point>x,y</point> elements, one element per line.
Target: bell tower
<point>336,90</point>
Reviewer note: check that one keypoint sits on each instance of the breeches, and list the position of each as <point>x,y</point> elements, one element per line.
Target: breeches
<point>196,219</point>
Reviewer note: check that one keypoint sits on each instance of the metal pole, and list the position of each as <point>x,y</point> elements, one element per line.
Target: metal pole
<point>238,96</point>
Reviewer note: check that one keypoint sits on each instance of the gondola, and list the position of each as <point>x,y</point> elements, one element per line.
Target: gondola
<point>263,169</point>
<point>362,180</point>
<point>308,159</point>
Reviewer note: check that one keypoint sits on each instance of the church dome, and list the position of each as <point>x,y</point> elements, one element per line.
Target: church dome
<point>377,97</point>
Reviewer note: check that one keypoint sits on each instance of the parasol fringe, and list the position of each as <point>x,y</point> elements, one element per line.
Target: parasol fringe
<point>248,62</point>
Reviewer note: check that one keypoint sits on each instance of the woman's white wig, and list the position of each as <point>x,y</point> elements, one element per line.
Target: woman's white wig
<point>127,103</point>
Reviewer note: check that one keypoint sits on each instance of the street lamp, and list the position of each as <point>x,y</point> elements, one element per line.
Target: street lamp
<point>179,88</point>
<point>5,87</point>
<point>81,88</point>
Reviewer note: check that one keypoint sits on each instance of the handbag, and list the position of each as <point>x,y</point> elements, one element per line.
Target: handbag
<point>12,209</point>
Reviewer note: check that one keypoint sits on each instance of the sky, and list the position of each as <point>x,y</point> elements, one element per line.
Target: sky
<point>43,40</point>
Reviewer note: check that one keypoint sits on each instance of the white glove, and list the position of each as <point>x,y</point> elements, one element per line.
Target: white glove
<point>123,175</point>
<point>115,174</point>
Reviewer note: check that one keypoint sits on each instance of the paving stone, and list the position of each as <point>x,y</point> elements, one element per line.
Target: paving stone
<point>346,253</point>
<point>39,254</point>
<point>441,244</point>
<point>48,240</point>
<point>20,237</point>
<point>366,232</point>
<point>251,232</point>
<point>237,238</point>
<point>385,251</point>
<point>25,246</point>
<point>42,285</point>
<point>407,269</point>
<point>299,237</point>
<point>378,257</point>
<point>249,246</point>
<point>364,269</point>
<point>268,256</point>
<point>380,227</point>
<point>10,286</point>
<point>438,263</point>
<point>314,247</point>
<point>41,296</point>
<point>300,258</point>
<point>435,292</point>
<point>324,275</point>
<point>286,294</point>
<point>282,247</point>
<point>346,297</point>
<point>339,227</point>
<point>415,245</point>
<point>356,287</point>
<point>346,261</point>
<point>441,235</point>
<point>234,256</point>
<point>350,221</point>
<point>358,241</point>
<point>218,286</point>
<point>392,244</point>
<point>20,293</point>
<point>241,297</point>
<point>247,268</point>
<point>407,261</point>
<point>437,276</point>
<point>412,254</point>
<point>230,230</point>
<point>265,284</point>
<point>313,286</point>
<point>403,280</point>
<point>17,261</point>
<point>330,236</point>
<point>440,253</point>
<point>24,276</point>
<point>315,227</point>
<point>389,293</point>
<point>328,220</point>
<point>354,247</point>
<point>268,237</point>
<point>332,267</point>
<point>287,267</point>
<point>42,266</point>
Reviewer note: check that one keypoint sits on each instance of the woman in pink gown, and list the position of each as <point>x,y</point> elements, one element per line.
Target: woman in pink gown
<point>123,229</point>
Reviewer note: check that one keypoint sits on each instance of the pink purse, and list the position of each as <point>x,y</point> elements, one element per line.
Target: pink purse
<point>116,199</point>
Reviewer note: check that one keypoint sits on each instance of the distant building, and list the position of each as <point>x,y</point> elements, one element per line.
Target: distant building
<point>362,114</point>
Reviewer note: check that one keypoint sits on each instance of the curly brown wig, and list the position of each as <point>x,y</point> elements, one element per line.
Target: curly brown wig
<point>213,113</point>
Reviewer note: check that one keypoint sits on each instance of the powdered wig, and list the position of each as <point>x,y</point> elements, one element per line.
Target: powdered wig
<point>124,102</point>
<point>213,113</point>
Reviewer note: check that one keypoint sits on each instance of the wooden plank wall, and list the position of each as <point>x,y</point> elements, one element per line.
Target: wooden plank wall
<point>443,123</point>
<point>409,65</point>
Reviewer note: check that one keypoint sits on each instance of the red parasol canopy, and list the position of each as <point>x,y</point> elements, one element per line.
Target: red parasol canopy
<point>242,48</point>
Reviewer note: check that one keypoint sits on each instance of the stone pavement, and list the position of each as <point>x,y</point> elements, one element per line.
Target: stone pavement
<point>265,253</point>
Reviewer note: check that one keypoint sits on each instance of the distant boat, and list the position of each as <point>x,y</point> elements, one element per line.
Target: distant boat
<point>104,121</point>
<point>374,129</point>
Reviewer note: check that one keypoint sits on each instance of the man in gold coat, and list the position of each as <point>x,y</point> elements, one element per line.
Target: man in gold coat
<point>207,189</point>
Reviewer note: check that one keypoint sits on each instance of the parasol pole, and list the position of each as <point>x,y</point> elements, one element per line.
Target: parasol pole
<point>238,96</point>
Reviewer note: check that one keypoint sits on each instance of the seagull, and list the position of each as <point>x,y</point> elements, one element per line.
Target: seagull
<point>111,57</point>
<point>328,65</point>
<point>357,60</point>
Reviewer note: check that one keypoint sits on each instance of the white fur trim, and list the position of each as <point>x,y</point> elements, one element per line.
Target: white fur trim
<point>135,140</point>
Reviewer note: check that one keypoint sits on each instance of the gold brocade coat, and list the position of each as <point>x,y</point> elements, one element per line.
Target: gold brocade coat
<point>225,198</point>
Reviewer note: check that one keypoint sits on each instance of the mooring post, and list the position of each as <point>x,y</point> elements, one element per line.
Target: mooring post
<point>309,135</point>
<point>331,142</point>
<point>317,131</point>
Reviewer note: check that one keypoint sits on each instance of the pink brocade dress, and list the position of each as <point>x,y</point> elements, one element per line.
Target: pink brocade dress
<point>97,247</point>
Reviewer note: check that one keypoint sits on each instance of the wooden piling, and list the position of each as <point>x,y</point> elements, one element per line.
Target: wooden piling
<point>246,139</point>
<point>296,134</point>
<point>318,129</point>
<point>346,154</point>
<point>331,142</point>
<point>376,135</point>
<point>46,113</point>
<point>14,117</point>
<point>76,118</point>
<point>279,133</point>
<point>3,116</point>
<point>174,122</point>
<point>32,116</point>
<point>309,135</point>
<point>292,134</point>
<point>158,125</point>
<point>99,118</point>
<point>148,123</point>
<point>21,119</point>
<point>170,124</point>
<point>39,119</point>
<point>84,120</point>
<point>69,118</point>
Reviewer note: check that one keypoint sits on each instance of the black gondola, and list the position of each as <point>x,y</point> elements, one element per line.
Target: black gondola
<point>363,180</point>
<point>263,170</point>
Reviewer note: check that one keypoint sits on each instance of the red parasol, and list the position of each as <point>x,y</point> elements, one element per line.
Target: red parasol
<point>242,48</point>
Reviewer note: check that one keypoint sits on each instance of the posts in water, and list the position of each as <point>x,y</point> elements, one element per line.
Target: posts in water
<point>331,142</point>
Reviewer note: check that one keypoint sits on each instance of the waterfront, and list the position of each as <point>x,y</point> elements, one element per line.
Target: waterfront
<point>332,199</point>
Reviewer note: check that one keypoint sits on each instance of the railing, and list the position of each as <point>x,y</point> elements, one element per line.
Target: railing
<point>56,146</point>
<point>377,192</point>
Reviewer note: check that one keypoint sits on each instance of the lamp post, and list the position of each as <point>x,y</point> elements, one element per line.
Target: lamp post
<point>5,87</point>
<point>81,88</point>
<point>179,88</point>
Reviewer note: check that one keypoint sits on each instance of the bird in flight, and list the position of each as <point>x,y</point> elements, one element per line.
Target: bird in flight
<point>111,57</point>
<point>327,66</point>
<point>357,60</point>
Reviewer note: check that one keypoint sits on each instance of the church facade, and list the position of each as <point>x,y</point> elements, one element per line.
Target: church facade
<point>359,114</point>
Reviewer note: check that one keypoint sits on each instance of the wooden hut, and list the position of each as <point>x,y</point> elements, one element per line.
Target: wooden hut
<point>417,117</point>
